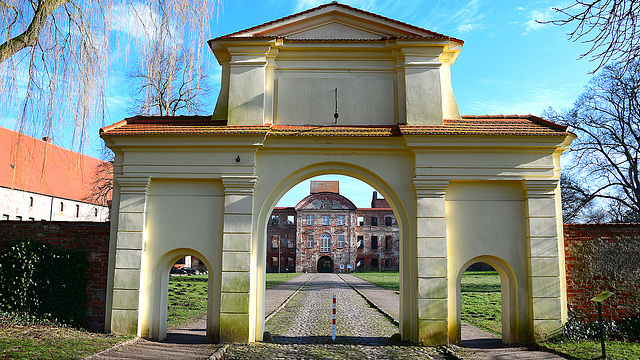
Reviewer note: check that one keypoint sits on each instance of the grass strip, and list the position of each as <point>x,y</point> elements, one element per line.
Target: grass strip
<point>585,349</point>
<point>53,342</point>
<point>274,279</point>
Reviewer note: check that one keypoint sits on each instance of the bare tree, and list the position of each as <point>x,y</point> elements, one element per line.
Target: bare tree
<point>55,54</point>
<point>606,118</point>
<point>167,85</point>
<point>610,27</point>
<point>101,186</point>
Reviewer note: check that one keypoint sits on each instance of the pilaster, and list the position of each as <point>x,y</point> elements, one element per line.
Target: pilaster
<point>236,258</point>
<point>129,254</point>
<point>432,264</point>
<point>544,257</point>
<point>423,91</point>
<point>247,67</point>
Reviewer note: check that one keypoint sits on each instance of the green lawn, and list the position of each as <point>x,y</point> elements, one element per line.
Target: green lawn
<point>274,279</point>
<point>480,300</point>
<point>187,299</point>
<point>389,280</point>
<point>587,350</point>
<point>52,342</point>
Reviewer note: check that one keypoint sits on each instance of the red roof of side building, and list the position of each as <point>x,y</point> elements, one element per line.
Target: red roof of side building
<point>485,125</point>
<point>37,166</point>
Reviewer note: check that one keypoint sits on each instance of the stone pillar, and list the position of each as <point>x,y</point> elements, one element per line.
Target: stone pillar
<point>433,294</point>
<point>129,255</point>
<point>544,257</point>
<point>235,324</point>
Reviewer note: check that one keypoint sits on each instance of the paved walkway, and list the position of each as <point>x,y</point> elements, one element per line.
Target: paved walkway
<point>476,344</point>
<point>189,342</point>
<point>278,294</point>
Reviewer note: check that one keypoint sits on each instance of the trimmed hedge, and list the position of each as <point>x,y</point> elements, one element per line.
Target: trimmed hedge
<point>40,280</point>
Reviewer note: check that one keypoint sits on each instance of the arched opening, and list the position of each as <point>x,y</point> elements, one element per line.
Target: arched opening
<point>181,309</point>
<point>487,300</point>
<point>336,250</point>
<point>325,265</point>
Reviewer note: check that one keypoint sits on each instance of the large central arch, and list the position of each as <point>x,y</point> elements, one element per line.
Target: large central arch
<point>335,168</point>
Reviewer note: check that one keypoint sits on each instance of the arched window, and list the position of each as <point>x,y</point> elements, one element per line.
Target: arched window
<point>326,242</point>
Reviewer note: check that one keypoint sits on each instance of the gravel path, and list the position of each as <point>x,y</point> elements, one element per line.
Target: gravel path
<point>302,329</point>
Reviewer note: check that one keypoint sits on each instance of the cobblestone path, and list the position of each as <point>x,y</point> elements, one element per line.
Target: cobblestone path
<point>302,329</point>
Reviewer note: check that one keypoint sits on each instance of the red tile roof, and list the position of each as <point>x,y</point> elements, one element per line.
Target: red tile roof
<point>33,165</point>
<point>433,35</point>
<point>487,125</point>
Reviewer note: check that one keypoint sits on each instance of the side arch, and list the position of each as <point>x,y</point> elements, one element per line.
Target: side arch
<point>509,296</point>
<point>275,191</point>
<point>160,295</point>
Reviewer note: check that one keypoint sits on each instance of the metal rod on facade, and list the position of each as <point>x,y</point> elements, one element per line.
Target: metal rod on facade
<point>333,334</point>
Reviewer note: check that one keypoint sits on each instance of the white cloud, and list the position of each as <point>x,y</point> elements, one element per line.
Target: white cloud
<point>537,19</point>
<point>137,20</point>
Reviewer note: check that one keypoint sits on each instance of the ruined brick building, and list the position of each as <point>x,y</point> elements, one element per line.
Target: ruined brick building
<point>326,232</point>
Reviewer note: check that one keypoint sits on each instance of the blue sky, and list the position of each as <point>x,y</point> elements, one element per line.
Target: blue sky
<point>509,64</point>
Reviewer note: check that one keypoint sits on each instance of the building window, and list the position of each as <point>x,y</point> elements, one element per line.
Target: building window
<point>325,219</point>
<point>340,219</point>
<point>309,219</point>
<point>61,206</point>
<point>275,239</point>
<point>290,220</point>
<point>289,263</point>
<point>374,221</point>
<point>5,217</point>
<point>360,243</point>
<point>290,243</point>
<point>340,241</point>
<point>32,219</point>
<point>359,264</point>
<point>374,264</point>
<point>326,243</point>
<point>274,262</point>
<point>77,210</point>
<point>30,201</point>
<point>310,243</point>
<point>275,220</point>
<point>95,212</point>
<point>388,242</point>
<point>388,221</point>
<point>19,218</point>
<point>360,221</point>
<point>374,242</point>
<point>387,264</point>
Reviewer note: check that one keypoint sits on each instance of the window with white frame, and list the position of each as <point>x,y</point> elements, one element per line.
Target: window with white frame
<point>325,219</point>
<point>340,219</point>
<point>325,243</point>
<point>309,219</point>
<point>310,243</point>
<point>340,241</point>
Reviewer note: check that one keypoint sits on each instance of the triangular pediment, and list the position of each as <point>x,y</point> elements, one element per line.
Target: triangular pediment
<point>339,22</point>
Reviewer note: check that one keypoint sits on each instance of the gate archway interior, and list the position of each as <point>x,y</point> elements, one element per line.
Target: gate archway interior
<point>508,297</point>
<point>327,262</point>
<point>160,299</point>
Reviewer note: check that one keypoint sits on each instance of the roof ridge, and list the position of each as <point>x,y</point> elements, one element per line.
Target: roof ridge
<point>334,3</point>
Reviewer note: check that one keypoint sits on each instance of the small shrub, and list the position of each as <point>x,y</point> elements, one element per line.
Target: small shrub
<point>40,280</point>
<point>577,329</point>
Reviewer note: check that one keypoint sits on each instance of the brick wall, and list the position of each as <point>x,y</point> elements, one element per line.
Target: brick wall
<point>92,237</point>
<point>603,257</point>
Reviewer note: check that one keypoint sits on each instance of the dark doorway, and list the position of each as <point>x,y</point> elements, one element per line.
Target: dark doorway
<point>325,265</point>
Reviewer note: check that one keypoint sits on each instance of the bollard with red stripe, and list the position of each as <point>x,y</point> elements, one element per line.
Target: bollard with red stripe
<point>333,335</point>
